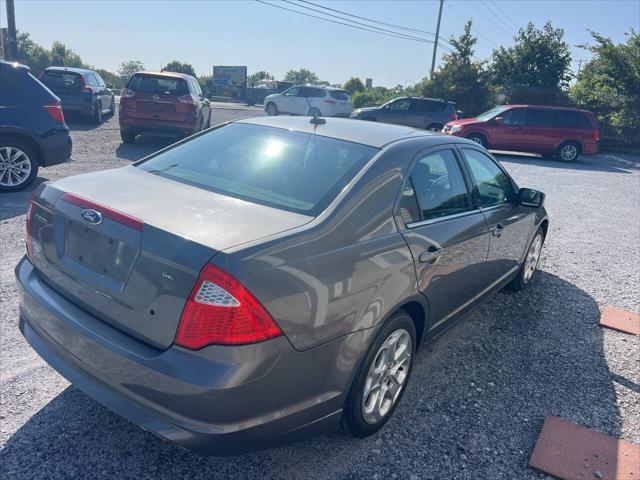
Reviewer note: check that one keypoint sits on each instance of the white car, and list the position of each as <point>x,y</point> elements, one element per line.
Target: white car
<point>310,100</point>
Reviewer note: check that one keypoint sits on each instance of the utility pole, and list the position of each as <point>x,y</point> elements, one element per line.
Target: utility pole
<point>11,52</point>
<point>579,66</point>
<point>435,44</point>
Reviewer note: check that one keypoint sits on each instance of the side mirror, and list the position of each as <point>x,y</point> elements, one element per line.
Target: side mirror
<point>460,113</point>
<point>497,120</point>
<point>531,198</point>
<point>109,85</point>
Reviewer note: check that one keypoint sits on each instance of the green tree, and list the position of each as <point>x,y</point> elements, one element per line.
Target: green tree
<point>301,76</point>
<point>460,79</point>
<point>536,69</point>
<point>204,81</point>
<point>353,85</point>
<point>63,56</point>
<point>255,78</point>
<point>609,84</point>
<point>110,78</point>
<point>179,67</point>
<point>128,68</point>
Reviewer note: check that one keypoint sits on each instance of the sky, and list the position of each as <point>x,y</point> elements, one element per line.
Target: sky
<point>262,37</point>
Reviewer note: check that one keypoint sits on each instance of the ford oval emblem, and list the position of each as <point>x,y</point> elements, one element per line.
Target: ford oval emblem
<point>91,216</point>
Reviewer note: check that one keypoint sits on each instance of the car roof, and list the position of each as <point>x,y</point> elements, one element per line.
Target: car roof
<point>358,131</point>
<point>70,69</point>
<point>164,74</point>
<point>14,65</point>
<point>546,107</point>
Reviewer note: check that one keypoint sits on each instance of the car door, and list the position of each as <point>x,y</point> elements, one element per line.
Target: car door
<point>300,101</point>
<point>447,235</point>
<point>543,133</point>
<point>105,93</point>
<point>287,99</point>
<point>509,129</point>
<point>395,112</point>
<point>509,222</point>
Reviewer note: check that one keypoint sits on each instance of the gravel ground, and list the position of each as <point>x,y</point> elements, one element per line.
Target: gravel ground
<point>477,398</point>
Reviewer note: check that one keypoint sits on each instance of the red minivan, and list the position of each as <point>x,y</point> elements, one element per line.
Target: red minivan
<point>562,132</point>
<point>162,102</point>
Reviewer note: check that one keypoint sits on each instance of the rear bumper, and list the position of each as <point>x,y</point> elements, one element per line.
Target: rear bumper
<point>56,147</point>
<point>158,126</point>
<point>217,400</point>
<point>589,148</point>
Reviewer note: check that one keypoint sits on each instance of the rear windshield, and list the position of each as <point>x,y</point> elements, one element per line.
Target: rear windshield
<point>339,94</point>
<point>292,171</point>
<point>62,82</point>
<point>158,84</point>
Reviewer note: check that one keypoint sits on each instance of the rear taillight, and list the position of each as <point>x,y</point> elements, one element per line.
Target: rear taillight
<point>596,135</point>
<point>330,102</point>
<point>85,88</point>
<point>55,111</point>
<point>189,99</point>
<point>126,93</point>
<point>222,311</point>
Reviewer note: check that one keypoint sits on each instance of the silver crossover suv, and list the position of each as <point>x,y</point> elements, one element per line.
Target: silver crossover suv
<point>270,278</point>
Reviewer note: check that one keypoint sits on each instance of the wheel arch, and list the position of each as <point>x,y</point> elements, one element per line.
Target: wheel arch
<point>23,137</point>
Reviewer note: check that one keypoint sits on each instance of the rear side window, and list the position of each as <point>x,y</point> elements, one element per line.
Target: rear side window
<point>428,106</point>
<point>436,188</point>
<point>60,82</point>
<point>18,87</point>
<point>292,171</point>
<point>339,94</point>
<point>542,118</point>
<point>158,84</point>
<point>312,92</point>
<point>574,119</point>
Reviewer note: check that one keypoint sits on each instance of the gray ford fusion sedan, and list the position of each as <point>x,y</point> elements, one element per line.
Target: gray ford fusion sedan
<point>271,278</point>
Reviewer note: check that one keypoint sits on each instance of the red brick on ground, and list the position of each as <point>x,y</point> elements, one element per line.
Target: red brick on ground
<point>620,319</point>
<point>569,452</point>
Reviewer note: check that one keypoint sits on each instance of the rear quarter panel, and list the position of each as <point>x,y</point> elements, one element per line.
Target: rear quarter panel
<point>346,271</point>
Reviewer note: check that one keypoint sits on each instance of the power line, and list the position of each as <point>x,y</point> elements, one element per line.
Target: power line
<point>504,14</point>
<point>494,14</point>
<point>352,21</point>
<point>396,35</point>
<point>369,19</point>
<point>490,19</point>
<point>474,30</point>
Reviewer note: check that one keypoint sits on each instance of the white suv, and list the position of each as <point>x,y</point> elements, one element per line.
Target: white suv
<point>310,100</point>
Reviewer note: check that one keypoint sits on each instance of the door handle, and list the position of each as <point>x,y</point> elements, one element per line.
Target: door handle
<point>497,230</point>
<point>430,254</point>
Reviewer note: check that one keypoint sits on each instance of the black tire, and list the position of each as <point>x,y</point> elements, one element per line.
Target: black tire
<point>568,151</point>
<point>435,127</point>
<point>271,109</point>
<point>314,112</point>
<point>353,420</point>
<point>478,138</point>
<point>97,114</point>
<point>127,135</point>
<point>522,280</point>
<point>27,155</point>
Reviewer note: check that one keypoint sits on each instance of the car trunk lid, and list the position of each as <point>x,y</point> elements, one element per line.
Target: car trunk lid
<point>128,246</point>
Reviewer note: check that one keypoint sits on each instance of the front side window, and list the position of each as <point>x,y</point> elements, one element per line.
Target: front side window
<point>292,92</point>
<point>515,117</point>
<point>293,171</point>
<point>435,189</point>
<point>491,184</point>
<point>400,105</point>
<point>489,114</point>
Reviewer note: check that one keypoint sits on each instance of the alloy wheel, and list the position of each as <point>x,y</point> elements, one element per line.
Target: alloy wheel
<point>568,152</point>
<point>15,166</point>
<point>386,377</point>
<point>533,257</point>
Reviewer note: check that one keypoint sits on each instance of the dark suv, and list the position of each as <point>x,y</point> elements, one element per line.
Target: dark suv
<point>162,102</point>
<point>32,129</point>
<point>418,112</point>
<point>80,90</point>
